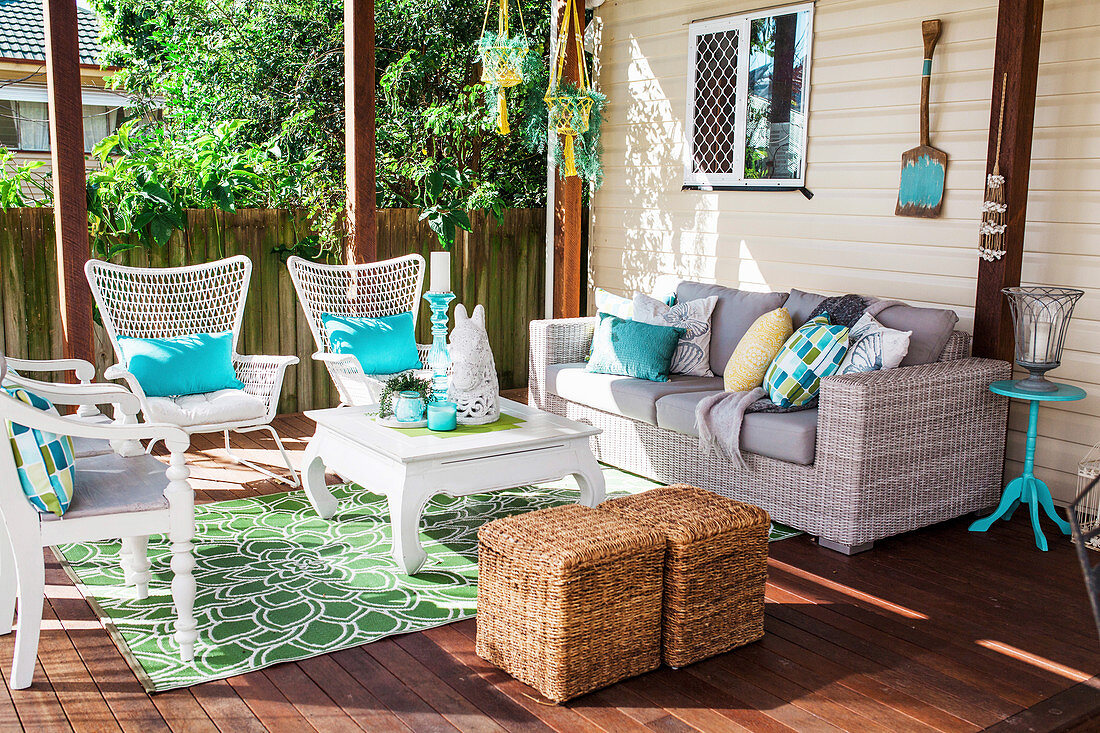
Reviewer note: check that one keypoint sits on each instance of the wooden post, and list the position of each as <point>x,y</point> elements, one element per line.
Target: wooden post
<point>67,156</point>
<point>1019,25</point>
<point>567,203</point>
<point>359,85</point>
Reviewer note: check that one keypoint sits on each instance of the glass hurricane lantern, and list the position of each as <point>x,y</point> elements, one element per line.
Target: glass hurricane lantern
<point>1040,316</point>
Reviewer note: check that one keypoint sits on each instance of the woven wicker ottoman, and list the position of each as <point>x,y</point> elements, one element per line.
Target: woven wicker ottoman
<point>569,599</point>
<point>715,568</point>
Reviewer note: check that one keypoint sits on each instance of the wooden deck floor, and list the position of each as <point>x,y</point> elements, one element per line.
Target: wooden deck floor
<point>938,630</point>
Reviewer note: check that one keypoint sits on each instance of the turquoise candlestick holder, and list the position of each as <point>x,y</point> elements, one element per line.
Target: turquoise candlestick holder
<point>439,357</point>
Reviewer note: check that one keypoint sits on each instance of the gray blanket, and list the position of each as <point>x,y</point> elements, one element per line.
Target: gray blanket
<point>719,417</point>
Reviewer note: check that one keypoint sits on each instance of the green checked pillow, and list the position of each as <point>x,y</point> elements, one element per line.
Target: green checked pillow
<point>43,460</point>
<point>813,352</point>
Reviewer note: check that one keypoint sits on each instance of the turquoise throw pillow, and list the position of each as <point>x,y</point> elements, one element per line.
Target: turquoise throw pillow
<point>384,345</point>
<point>44,461</point>
<point>181,365</point>
<point>633,349</point>
<point>812,353</point>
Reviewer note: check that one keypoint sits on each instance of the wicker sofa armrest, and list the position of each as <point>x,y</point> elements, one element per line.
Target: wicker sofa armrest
<point>911,427</point>
<point>556,341</point>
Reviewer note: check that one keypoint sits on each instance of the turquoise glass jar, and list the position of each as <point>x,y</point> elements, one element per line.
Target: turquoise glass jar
<point>442,416</point>
<point>409,407</point>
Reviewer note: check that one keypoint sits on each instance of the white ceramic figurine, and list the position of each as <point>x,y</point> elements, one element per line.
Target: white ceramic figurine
<point>473,382</point>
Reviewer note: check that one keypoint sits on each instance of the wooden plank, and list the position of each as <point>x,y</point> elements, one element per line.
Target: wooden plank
<point>1019,31</point>
<point>353,698</point>
<point>268,704</point>
<point>359,91</point>
<point>1077,706</point>
<point>67,163</point>
<point>310,700</point>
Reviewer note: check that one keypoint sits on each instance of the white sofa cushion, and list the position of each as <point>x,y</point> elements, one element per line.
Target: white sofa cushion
<point>210,408</point>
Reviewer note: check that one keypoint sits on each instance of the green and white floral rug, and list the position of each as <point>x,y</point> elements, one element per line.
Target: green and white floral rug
<point>276,583</point>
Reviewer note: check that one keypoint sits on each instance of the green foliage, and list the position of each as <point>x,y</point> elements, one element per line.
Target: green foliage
<point>405,382</point>
<point>152,172</point>
<point>278,64</point>
<point>17,178</point>
<point>586,147</point>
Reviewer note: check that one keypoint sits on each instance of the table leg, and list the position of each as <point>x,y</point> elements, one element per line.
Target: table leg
<point>590,479</point>
<point>313,481</point>
<point>1042,492</point>
<point>1013,495</point>
<point>405,507</point>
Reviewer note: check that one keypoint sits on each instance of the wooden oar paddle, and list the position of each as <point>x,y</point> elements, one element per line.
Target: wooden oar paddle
<point>924,167</point>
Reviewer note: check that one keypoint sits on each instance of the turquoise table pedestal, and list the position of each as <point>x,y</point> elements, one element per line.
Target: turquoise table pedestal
<point>1027,489</point>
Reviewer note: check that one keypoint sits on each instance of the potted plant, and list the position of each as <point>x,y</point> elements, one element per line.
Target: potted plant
<point>406,382</point>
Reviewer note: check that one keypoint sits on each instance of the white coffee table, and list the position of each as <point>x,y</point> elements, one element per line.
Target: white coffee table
<point>409,469</point>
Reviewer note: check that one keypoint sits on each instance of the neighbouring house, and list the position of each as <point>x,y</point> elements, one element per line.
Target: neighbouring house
<point>23,111</point>
<point>853,81</point>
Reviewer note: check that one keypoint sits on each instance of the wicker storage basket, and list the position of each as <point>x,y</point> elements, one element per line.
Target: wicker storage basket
<point>715,568</point>
<point>569,599</point>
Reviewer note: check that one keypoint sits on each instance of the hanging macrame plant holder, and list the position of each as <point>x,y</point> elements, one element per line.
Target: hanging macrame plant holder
<point>569,108</point>
<point>502,57</point>
<point>991,234</point>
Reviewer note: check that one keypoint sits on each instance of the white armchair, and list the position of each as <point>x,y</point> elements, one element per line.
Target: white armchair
<point>373,290</point>
<point>179,301</point>
<point>113,497</point>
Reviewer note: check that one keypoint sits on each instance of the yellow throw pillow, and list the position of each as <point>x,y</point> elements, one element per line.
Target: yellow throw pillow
<point>749,361</point>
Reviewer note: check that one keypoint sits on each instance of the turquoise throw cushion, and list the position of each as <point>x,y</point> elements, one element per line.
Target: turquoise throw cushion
<point>813,352</point>
<point>633,349</point>
<point>384,345</point>
<point>44,461</point>
<point>181,365</point>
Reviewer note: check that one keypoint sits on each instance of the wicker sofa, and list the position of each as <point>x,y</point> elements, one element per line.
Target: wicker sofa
<point>886,452</point>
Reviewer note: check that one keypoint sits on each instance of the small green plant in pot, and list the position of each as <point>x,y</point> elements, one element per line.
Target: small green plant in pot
<point>407,382</point>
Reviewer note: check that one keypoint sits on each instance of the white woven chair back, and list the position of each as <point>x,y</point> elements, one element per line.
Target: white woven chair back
<point>174,301</point>
<point>366,291</point>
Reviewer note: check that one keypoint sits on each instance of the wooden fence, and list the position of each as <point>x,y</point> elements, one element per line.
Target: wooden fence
<point>498,265</point>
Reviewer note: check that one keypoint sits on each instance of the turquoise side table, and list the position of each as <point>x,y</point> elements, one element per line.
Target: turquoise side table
<point>1027,489</point>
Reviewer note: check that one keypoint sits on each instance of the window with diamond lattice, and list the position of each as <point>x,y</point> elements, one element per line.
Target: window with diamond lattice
<point>748,99</point>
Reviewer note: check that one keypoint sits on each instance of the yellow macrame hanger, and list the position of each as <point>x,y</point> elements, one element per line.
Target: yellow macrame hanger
<point>569,113</point>
<point>501,65</point>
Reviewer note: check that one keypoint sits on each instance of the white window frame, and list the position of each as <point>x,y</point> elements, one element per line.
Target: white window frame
<point>742,24</point>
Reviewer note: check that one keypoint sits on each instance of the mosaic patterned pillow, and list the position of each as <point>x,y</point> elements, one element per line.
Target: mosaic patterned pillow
<point>692,354</point>
<point>43,460</point>
<point>873,346</point>
<point>812,353</point>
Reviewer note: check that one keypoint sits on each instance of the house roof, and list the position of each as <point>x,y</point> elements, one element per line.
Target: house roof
<point>23,36</point>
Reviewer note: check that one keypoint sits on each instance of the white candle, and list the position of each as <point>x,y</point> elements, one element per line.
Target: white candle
<point>1040,341</point>
<point>440,272</point>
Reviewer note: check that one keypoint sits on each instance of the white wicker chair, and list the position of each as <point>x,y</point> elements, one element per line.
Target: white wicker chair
<point>364,291</point>
<point>180,301</point>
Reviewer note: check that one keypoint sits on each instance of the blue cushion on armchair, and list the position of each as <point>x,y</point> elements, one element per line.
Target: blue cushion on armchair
<point>181,365</point>
<point>385,345</point>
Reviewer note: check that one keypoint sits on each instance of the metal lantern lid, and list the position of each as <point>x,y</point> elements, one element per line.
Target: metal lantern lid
<point>1040,315</point>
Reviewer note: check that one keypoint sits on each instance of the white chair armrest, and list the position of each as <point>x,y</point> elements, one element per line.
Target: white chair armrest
<point>262,376</point>
<point>117,371</point>
<point>60,393</point>
<point>23,414</point>
<point>276,360</point>
<point>85,371</point>
<point>335,359</point>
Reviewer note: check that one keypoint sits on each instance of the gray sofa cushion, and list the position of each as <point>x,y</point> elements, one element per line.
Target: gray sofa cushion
<point>735,312</point>
<point>931,329</point>
<point>633,398</point>
<point>800,305</point>
<point>110,484</point>
<point>787,436</point>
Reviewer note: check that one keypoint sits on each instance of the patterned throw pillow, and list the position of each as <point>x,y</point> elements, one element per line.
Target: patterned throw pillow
<point>756,349</point>
<point>873,346</point>
<point>692,354</point>
<point>43,460</point>
<point>813,352</point>
<point>615,305</point>
<point>632,349</point>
